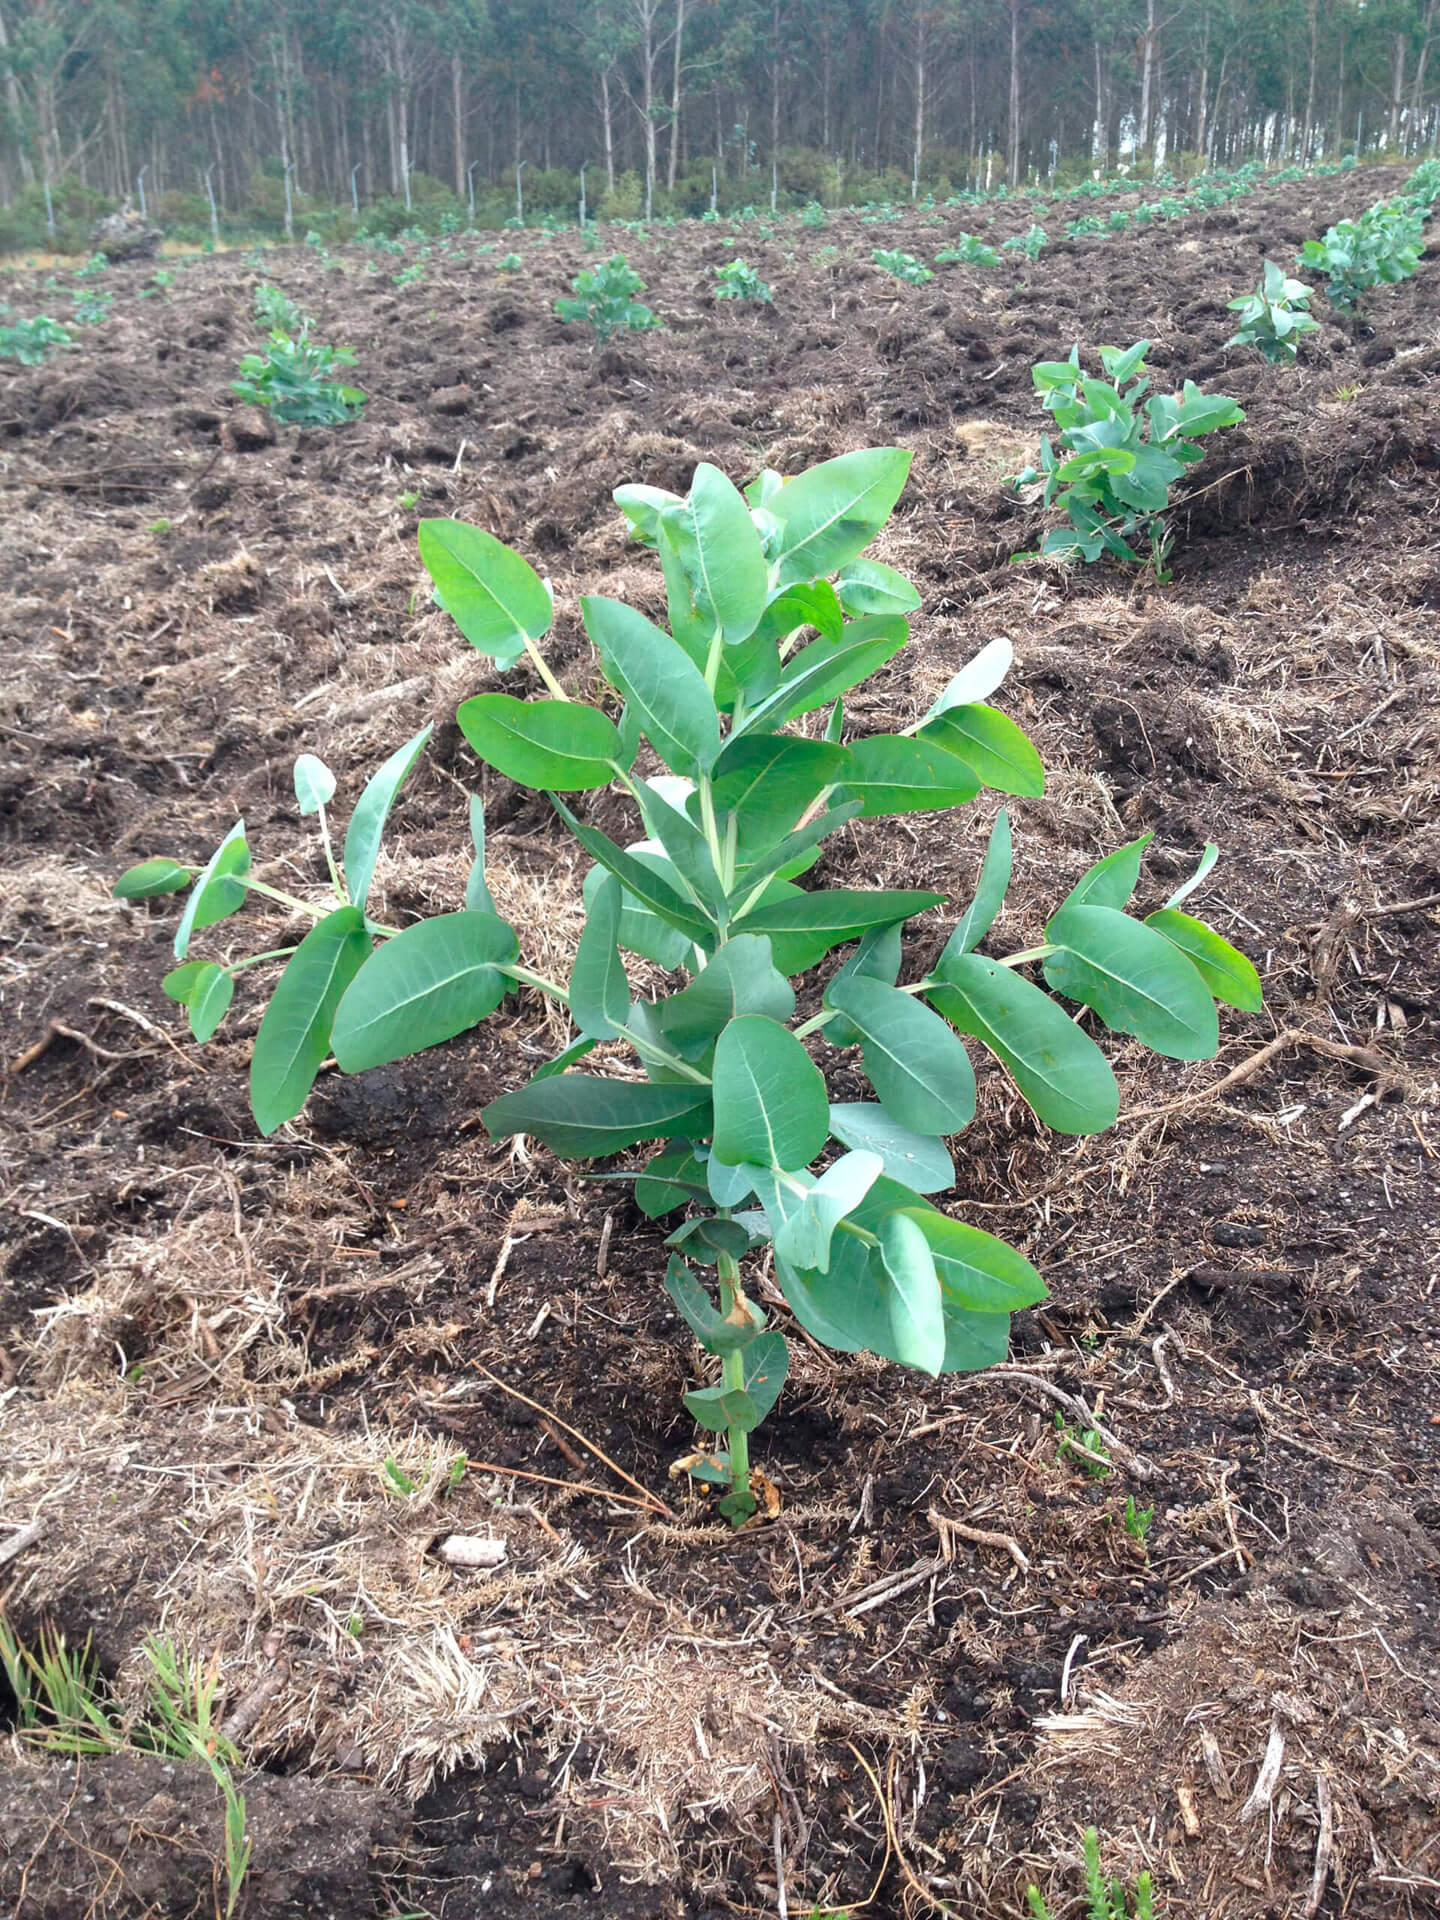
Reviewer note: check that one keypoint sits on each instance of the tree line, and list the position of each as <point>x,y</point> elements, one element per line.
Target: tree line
<point>699,100</point>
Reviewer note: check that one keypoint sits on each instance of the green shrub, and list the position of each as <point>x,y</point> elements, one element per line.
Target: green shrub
<point>774,615</point>
<point>277,312</point>
<point>1030,243</point>
<point>1274,316</point>
<point>1118,460</point>
<point>294,382</point>
<point>904,266</point>
<point>606,300</point>
<point>967,251</point>
<point>1383,246</point>
<point>1104,1899</point>
<point>812,214</point>
<point>31,342</point>
<point>740,281</point>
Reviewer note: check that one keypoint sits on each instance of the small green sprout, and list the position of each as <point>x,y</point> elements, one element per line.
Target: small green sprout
<point>1274,316</point>
<point>740,281</point>
<point>1138,1520</point>
<point>904,266</point>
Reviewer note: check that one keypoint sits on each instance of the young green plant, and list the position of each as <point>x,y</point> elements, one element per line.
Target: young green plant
<point>1118,459</point>
<point>1274,317</point>
<point>774,616</point>
<point>605,299</point>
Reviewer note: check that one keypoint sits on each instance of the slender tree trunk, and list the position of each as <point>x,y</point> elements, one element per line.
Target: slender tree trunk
<point>1147,81</point>
<point>1397,87</point>
<point>1313,22</point>
<point>775,82</point>
<point>1417,89</point>
<point>12,101</point>
<point>457,122</point>
<point>607,128</point>
<point>1014,166</point>
<point>675,96</point>
<point>919,106</point>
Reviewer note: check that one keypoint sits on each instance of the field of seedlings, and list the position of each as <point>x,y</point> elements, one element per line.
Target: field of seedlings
<point>365,1449</point>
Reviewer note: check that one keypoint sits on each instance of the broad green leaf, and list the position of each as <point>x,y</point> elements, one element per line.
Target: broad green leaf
<point>977,679</point>
<point>639,878</point>
<point>434,980</point>
<point>1135,979</point>
<point>809,603</point>
<point>670,1179</point>
<point>314,784</point>
<point>878,957</point>
<point>893,774</point>
<point>991,744</point>
<point>806,1235</point>
<point>704,1237</point>
<point>577,1050</point>
<point>768,780</point>
<point>493,596</point>
<point>976,1271</point>
<point>580,1117</point>
<point>990,890</point>
<point>1111,881</point>
<point>719,550</point>
<point>642,931</point>
<point>294,1035</point>
<point>657,676</point>
<point>1187,887</point>
<point>973,1341</point>
<point>770,1104</point>
<point>641,506</point>
<point>916,1065</point>
<point>820,921</point>
<point>868,586</point>
<point>826,669</point>
<point>558,746</point>
<point>684,845</point>
<point>728,1185</point>
<point>180,983</point>
<point>217,893</point>
<point>152,878</point>
<point>1060,1072</point>
<point>599,991</point>
<point>915,1160</point>
<point>477,895</point>
<point>367,823</point>
<point>210,1001</point>
<point>698,1311</point>
<point>1224,969</point>
<point>917,1322</point>
<point>742,978</point>
<point>846,1309</point>
<point>766,1364</point>
<point>831,513</point>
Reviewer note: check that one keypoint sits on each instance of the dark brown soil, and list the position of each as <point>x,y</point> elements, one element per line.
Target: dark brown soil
<point>212,1344</point>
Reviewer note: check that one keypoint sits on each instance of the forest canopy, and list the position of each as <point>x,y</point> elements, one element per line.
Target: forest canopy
<point>674,105</point>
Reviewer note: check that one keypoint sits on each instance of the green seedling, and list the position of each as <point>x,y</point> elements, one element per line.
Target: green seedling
<point>161,526</point>
<point>1085,1446</point>
<point>294,381</point>
<point>90,306</point>
<point>1105,1899</point>
<point>277,312</point>
<point>740,281</point>
<point>1381,247</point>
<point>1087,223</point>
<point>1030,243</point>
<point>1117,459</point>
<point>605,300</point>
<point>1138,1520</point>
<point>31,342</point>
<point>904,266</point>
<point>410,276</point>
<point>1274,316</point>
<point>409,501</point>
<point>397,1480</point>
<point>968,251</point>
<point>812,214</point>
<point>774,614</point>
<point>512,263</point>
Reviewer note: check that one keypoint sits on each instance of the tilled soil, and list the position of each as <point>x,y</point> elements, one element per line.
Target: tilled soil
<point>239,1374</point>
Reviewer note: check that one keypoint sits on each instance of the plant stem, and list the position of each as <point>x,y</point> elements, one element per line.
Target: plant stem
<point>647,1050</point>
<point>335,880</point>
<point>544,672</point>
<point>733,1374</point>
<point>1030,953</point>
<point>275,953</point>
<point>513,970</point>
<point>712,661</point>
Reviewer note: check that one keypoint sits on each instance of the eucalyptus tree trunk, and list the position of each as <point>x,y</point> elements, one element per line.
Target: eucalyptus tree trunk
<point>1147,82</point>
<point>1398,48</point>
<point>607,126</point>
<point>1313,22</point>
<point>1014,125</point>
<point>675,97</point>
